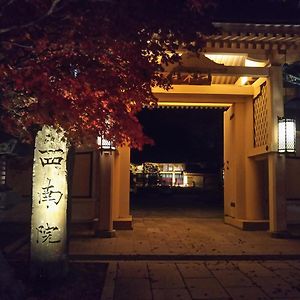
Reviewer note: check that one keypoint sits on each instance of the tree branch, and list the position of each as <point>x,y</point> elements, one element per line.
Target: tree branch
<point>52,8</point>
<point>19,45</point>
<point>7,4</point>
<point>47,14</point>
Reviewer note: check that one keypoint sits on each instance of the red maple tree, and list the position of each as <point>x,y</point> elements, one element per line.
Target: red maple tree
<point>88,66</point>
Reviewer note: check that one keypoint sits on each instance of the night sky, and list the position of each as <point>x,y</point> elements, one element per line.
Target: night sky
<point>182,135</point>
<point>257,11</point>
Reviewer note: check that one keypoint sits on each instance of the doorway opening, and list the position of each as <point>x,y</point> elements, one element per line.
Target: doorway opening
<point>181,174</point>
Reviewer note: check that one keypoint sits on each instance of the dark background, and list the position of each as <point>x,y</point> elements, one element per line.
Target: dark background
<point>196,135</point>
<point>182,135</point>
<point>257,11</point>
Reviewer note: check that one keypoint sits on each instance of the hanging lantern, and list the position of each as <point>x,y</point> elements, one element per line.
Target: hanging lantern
<point>286,135</point>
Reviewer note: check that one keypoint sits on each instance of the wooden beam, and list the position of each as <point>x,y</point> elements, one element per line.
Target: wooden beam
<point>214,89</point>
<point>243,71</point>
<point>194,104</point>
<point>225,71</point>
<point>196,99</point>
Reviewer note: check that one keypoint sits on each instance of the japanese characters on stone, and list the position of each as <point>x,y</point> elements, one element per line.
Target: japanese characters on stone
<point>49,189</point>
<point>49,194</point>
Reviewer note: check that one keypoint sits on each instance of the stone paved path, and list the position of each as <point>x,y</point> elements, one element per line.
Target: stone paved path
<point>247,280</point>
<point>184,254</point>
<point>158,237</point>
<point>185,236</point>
<point>162,235</point>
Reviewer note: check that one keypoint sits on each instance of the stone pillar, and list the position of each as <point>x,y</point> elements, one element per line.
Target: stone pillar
<point>104,227</point>
<point>276,162</point>
<point>48,253</point>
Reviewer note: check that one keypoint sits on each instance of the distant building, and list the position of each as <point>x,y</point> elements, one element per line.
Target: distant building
<point>176,175</point>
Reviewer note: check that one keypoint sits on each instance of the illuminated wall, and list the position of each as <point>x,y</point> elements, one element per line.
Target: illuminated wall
<point>49,203</point>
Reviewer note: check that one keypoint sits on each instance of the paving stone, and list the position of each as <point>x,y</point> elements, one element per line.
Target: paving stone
<point>153,230</point>
<point>230,249</point>
<point>247,293</point>
<point>206,288</point>
<point>291,276</point>
<point>194,270</point>
<point>124,245</point>
<point>159,249</point>
<point>276,265</point>
<point>203,235</point>
<point>139,234</point>
<point>165,275</point>
<point>105,248</point>
<point>109,285</point>
<point>178,251</point>
<point>141,247</point>
<point>171,294</point>
<point>294,263</point>
<point>276,287</point>
<point>220,265</point>
<point>232,278</point>
<point>132,269</point>
<point>132,288</point>
<point>127,234</point>
<point>78,247</point>
<point>254,269</point>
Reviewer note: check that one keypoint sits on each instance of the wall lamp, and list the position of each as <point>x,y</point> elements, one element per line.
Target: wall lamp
<point>286,135</point>
<point>105,145</point>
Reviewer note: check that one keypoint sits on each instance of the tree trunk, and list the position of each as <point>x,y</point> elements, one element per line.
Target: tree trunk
<point>49,205</point>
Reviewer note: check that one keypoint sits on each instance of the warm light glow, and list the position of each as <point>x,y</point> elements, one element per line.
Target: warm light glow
<point>105,144</point>
<point>249,62</point>
<point>286,135</point>
<point>244,80</point>
<point>185,180</point>
<point>49,197</point>
<point>227,59</point>
<point>236,60</point>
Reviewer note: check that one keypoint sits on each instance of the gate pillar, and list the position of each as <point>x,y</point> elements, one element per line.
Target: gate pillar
<point>276,162</point>
<point>121,190</point>
<point>104,227</point>
<point>244,172</point>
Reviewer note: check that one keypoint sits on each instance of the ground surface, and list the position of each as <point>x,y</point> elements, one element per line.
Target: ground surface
<point>84,281</point>
<point>210,280</point>
<point>179,248</point>
<point>192,203</point>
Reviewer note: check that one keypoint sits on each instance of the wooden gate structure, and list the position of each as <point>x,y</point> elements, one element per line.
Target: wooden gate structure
<point>240,70</point>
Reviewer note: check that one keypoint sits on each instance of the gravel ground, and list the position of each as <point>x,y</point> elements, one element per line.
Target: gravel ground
<point>84,281</point>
